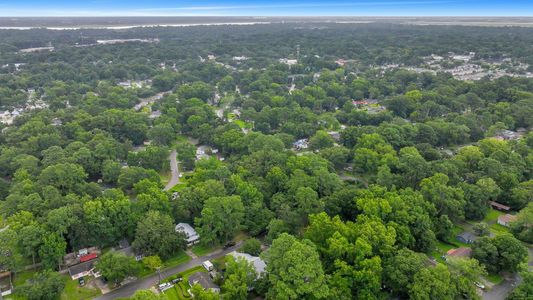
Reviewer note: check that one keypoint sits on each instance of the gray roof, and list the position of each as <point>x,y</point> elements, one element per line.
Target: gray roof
<point>80,268</point>
<point>203,280</point>
<point>467,236</point>
<point>190,233</point>
<point>258,263</point>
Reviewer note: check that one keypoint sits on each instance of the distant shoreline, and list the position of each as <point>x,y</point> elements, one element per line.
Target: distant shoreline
<point>123,23</point>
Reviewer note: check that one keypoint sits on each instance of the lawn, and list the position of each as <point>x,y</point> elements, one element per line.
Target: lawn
<point>492,216</point>
<point>498,229</point>
<point>202,250</point>
<point>440,250</point>
<point>21,277</point>
<point>178,259</point>
<point>74,291</point>
<point>494,278</point>
<point>178,187</point>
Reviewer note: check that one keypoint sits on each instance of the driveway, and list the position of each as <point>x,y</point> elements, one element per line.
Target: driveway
<point>129,289</point>
<point>502,290</point>
<point>174,170</point>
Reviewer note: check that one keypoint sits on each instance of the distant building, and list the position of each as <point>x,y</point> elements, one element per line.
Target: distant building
<point>204,281</point>
<point>466,237</point>
<point>499,206</point>
<point>335,135</point>
<point>504,220</point>
<point>301,144</point>
<point>458,252</point>
<point>191,236</point>
<point>258,264</point>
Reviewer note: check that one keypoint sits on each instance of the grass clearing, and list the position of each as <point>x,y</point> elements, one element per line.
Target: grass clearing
<point>492,216</point>
<point>494,278</point>
<point>202,250</point>
<point>178,259</point>
<point>74,291</point>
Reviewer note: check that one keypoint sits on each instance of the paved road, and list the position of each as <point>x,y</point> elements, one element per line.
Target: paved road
<point>175,173</point>
<point>129,289</point>
<point>502,290</point>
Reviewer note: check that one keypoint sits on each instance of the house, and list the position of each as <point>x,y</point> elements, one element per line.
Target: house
<point>258,264</point>
<point>82,270</point>
<point>466,237</point>
<point>204,281</point>
<point>504,220</point>
<point>6,285</point>
<point>499,206</point>
<point>458,252</point>
<point>301,144</point>
<point>191,236</point>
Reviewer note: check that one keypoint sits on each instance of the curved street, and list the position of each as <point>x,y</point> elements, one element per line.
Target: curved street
<point>174,170</point>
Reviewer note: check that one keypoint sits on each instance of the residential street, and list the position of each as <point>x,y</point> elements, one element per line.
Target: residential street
<point>175,173</point>
<point>129,289</point>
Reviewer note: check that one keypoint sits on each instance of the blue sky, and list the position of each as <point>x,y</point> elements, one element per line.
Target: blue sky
<point>266,8</point>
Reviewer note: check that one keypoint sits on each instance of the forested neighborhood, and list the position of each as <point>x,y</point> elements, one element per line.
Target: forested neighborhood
<point>297,160</point>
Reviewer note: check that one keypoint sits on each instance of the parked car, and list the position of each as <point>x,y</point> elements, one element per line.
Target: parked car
<point>229,244</point>
<point>174,281</point>
<point>81,281</point>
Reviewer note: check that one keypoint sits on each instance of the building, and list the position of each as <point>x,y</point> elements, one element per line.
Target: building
<point>88,257</point>
<point>504,220</point>
<point>191,236</point>
<point>301,144</point>
<point>82,270</point>
<point>204,280</point>
<point>6,285</point>
<point>463,252</point>
<point>466,237</point>
<point>258,264</point>
<point>499,206</point>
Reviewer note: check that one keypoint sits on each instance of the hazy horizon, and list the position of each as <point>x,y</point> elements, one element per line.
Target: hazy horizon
<point>290,8</point>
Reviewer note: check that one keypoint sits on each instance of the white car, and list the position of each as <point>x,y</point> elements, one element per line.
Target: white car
<point>479,285</point>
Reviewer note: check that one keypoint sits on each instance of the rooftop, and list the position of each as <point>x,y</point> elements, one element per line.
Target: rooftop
<point>189,231</point>
<point>507,218</point>
<point>258,263</point>
<point>459,252</point>
<point>203,280</point>
<point>80,268</point>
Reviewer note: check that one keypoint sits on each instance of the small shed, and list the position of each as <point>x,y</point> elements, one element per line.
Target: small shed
<point>499,206</point>
<point>504,220</point>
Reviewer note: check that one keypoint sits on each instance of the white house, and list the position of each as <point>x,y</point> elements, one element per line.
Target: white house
<point>191,236</point>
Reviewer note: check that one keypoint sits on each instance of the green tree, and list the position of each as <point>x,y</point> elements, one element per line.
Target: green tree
<point>251,246</point>
<point>52,250</point>
<point>522,228</point>
<point>399,270</point>
<point>156,234</point>
<point>221,217</point>
<point>432,283</point>
<point>294,269</point>
<point>116,266</point>
<point>43,286</point>
<point>321,140</point>
<point>152,262</point>
<point>238,278</point>
<point>525,289</point>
